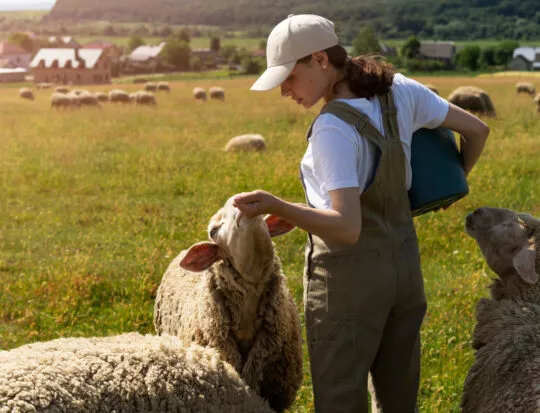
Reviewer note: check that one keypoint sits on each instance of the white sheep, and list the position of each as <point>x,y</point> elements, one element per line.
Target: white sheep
<point>217,93</point>
<point>89,99</point>
<point>230,294</point>
<point>61,100</point>
<point>525,87</point>
<point>247,142</point>
<point>126,373</point>
<point>61,89</point>
<point>101,96</point>
<point>199,94</point>
<point>26,93</point>
<point>164,86</point>
<point>505,376</point>
<point>119,96</point>
<point>144,98</point>
<point>150,87</point>
<point>474,99</point>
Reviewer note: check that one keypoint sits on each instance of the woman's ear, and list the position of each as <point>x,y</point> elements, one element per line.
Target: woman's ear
<point>321,58</point>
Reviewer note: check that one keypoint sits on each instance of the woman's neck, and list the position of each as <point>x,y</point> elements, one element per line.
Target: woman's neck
<point>339,89</point>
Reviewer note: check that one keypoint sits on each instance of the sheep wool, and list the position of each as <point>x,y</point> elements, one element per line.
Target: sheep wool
<point>126,373</point>
<point>505,375</point>
<point>230,294</point>
<point>247,142</point>
<point>473,99</point>
<point>525,87</point>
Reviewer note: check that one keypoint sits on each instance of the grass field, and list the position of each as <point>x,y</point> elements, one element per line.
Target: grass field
<point>96,203</point>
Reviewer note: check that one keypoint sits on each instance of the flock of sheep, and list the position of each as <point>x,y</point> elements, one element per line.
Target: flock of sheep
<point>228,333</point>
<point>477,100</point>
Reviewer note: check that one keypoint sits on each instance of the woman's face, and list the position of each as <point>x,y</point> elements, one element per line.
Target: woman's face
<point>308,82</point>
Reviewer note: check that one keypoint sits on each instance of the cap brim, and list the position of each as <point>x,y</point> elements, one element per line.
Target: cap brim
<point>273,76</point>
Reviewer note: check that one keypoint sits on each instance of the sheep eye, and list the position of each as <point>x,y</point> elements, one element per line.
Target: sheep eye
<point>214,232</point>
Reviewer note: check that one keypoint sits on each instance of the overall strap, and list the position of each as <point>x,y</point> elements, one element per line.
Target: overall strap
<point>389,115</point>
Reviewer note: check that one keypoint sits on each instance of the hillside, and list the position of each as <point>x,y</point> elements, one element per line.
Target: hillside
<point>443,19</point>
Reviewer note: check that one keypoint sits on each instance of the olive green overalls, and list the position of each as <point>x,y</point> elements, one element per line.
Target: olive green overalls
<point>364,303</point>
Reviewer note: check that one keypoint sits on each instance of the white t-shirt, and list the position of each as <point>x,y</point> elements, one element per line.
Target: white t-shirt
<point>338,157</point>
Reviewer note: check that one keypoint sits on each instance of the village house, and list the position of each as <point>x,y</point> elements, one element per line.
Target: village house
<point>12,56</point>
<point>112,50</point>
<point>63,42</point>
<point>13,75</point>
<point>71,66</point>
<point>525,58</point>
<point>441,51</point>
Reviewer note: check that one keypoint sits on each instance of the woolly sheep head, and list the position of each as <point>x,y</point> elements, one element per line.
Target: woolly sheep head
<point>245,242</point>
<point>507,240</point>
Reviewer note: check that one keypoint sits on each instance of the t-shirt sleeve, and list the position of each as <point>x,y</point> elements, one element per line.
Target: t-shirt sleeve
<point>335,155</point>
<point>429,108</point>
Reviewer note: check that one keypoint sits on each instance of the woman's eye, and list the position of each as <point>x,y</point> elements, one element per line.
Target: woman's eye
<point>214,232</point>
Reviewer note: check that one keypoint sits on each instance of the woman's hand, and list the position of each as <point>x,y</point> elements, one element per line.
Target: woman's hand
<point>256,203</point>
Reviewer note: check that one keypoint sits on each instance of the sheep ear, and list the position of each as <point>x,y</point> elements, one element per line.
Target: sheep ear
<point>524,262</point>
<point>278,226</point>
<point>200,256</point>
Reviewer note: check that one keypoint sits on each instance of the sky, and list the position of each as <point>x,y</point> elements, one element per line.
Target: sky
<point>26,4</point>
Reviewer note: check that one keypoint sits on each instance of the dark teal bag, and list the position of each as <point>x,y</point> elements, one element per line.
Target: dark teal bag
<point>438,178</point>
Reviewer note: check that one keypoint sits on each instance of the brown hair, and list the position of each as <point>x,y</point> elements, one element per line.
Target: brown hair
<point>366,75</point>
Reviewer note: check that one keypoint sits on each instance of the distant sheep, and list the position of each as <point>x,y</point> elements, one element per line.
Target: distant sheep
<point>217,93</point>
<point>473,99</point>
<point>505,376</point>
<point>144,98</point>
<point>248,142</point>
<point>61,89</point>
<point>101,96</point>
<point>44,85</point>
<point>164,86</point>
<point>26,93</point>
<point>230,294</point>
<point>433,88</point>
<point>89,99</point>
<point>119,96</point>
<point>61,100</point>
<point>125,373</point>
<point>199,94</point>
<point>150,87</point>
<point>525,87</point>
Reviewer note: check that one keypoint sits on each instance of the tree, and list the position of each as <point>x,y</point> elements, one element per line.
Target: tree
<point>504,51</point>
<point>366,42</point>
<point>109,31</point>
<point>262,44</point>
<point>176,53</point>
<point>22,40</point>
<point>215,44</point>
<point>183,35</point>
<point>487,57</point>
<point>468,57</point>
<point>135,42</point>
<point>411,48</point>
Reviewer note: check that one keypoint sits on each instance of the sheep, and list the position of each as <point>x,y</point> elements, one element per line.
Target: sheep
<point>217,93</point>
<point>230,294</point>
<point>150,87</point>
<point>26,93</point>
<point>248,142</point>
<point>125,373</point>
<point>164,86</point>
<point>145,98</point>
<point>433,88</point>
<point>473,99</point>
<point>505,376</point>
<point>44,85</point>
<point>525,87</point>
<point>199,94</point>
<point>101,96</point>
<point>61,100</point>
<point>119,96</point>
<point>61,89</point>
<point>89,99</point>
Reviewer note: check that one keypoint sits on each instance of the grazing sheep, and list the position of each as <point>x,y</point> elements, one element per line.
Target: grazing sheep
<point>140,80</point>
<point>505,376</point>
<point>164,86</point>
<point>125,373</point>
<point>199,94</point>
<point>61,89</point>
<point>217,93</point>
<point>525,87</point>
<point>101,96</point>
<point>248,142</point>
<point>433,88</point>
<point>144,98</point>
<point>26,93</point>
<point>119,96</point>
<point>75,99</point>
<point>230,294</point>
<point>89,99</point>
<point>473,99</point>
<point>61,100</point>
<point>150,87</point>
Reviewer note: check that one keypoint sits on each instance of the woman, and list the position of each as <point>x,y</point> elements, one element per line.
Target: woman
<point>363,288</point>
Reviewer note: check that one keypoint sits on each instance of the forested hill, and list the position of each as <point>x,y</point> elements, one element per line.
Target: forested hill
<point>442,19</point>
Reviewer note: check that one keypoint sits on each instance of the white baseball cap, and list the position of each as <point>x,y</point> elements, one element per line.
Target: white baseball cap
<point>292,39</point>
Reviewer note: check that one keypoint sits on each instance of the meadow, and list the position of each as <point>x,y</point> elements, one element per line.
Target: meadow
<point>95,204</point>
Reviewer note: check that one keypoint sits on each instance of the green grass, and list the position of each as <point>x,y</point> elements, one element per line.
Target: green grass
<point>96,203</point>
<point>23,14</point>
